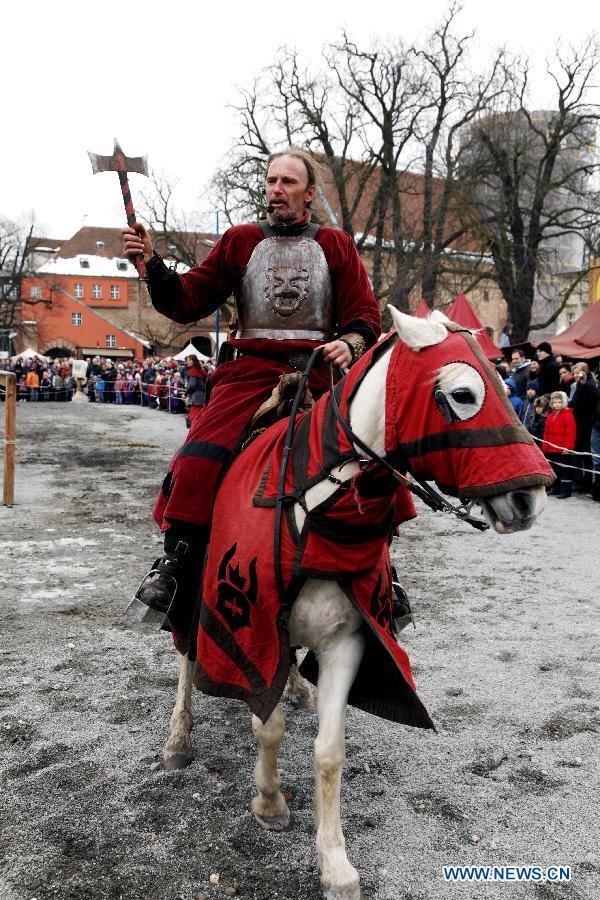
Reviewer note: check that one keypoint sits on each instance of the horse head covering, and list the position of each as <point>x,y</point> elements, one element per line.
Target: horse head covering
<point>447,412</point>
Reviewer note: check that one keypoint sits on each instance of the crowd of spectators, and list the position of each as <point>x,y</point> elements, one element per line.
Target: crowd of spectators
<point>559,404</point>
<point>176,387</point>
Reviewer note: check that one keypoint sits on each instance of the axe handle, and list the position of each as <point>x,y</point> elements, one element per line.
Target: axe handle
<point>139,261</point>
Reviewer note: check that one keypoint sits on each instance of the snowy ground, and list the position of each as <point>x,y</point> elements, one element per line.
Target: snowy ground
<point>505,657</point>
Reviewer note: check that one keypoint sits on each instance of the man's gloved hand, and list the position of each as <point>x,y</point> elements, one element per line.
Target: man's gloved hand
<point>338,353</point>
<point>137,242</point>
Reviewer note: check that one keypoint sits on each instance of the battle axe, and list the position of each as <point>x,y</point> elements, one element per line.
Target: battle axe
<point>122,164</point>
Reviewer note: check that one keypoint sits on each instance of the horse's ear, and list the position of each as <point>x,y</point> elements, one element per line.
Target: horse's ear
<point>417,333</point>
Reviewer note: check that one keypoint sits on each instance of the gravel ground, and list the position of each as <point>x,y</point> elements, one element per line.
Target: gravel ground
<point>505,656</point>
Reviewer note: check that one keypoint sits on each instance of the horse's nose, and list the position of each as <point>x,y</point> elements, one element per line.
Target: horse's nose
<point>522,503</point>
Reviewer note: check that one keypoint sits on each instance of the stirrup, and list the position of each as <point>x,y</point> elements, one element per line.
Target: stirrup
<point>140,610</point>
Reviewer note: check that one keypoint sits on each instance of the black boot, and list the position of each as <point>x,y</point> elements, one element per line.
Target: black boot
<point>168,592</point>
<point>566,490</point>
<point>159,587</point>
<point>596,489</point>
<point>402,613</point>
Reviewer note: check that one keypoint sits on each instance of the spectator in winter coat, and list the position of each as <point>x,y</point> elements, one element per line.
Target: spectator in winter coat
<point>32,382</point>
<point>110,376</point>
<point>514,401</point>
<point>548,377</point>
<point>520,372</point>
<point>595,448</point>
<point>195,387</point>
<point>527,413</point>
<point>583,402</point>
<point>58,387</point>
<point>567,379</point>
<point>45,385</point>
<point>100,388</point>
<point>560,435</point>
<point>542,411</point>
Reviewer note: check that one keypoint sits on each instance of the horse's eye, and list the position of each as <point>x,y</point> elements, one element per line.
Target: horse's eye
<point>463,395</point>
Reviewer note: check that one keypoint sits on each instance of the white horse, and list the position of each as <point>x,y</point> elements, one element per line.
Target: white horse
<point>323,619</point>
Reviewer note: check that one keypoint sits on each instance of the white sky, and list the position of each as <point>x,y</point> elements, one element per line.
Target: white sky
<point>159,76</point>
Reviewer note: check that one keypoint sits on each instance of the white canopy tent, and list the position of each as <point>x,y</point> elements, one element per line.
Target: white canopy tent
<point>190,350</point>
<point>28,354</point>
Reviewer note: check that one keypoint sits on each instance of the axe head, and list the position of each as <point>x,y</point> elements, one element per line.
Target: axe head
<point>118,162</point>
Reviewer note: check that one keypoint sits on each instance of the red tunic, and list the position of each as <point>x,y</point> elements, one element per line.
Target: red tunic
<point>238,388</point>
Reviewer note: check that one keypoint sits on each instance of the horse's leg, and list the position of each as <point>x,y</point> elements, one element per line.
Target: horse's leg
<point>338,664</point>
<point>300,691</point>
<point>269,806</point>
<point>177,753</point>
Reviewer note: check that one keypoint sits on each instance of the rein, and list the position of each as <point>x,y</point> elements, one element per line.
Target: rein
<point>419,488</point>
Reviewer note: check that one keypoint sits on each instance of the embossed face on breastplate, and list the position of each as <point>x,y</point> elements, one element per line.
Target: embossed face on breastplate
<point>286,287</point>
<point>285,292</point>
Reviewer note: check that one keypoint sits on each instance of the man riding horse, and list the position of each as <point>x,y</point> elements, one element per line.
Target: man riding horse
<point>297,285</point>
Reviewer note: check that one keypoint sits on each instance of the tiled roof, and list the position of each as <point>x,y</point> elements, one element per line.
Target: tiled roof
<point>43,243</point>
<point>85,243</point>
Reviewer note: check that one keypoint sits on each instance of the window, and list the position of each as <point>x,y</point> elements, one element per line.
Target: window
<point>99,245</point>
<point>111,340</point>
<point>36,292</point>
<point>115,292</point>
<point>84,263</point>
<point>76,319</point>
<point>97,291</point>
<point>121,265</point>
<point>79,291</point>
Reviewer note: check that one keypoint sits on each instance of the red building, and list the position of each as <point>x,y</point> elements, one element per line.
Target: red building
<point>83,298</point>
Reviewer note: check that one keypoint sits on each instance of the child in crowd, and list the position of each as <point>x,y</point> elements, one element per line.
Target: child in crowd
<point>559,438</point>
<point>541,413</point>
<point>514,400</point>
<point>527,414</point>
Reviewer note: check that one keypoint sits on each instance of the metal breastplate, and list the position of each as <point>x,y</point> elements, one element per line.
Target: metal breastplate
<point>285,293</point>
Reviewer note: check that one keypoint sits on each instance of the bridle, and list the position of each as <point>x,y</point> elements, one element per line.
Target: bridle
<point>419,487</point>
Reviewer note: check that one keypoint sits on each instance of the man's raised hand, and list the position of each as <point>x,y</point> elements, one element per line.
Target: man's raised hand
<point>137,242</point>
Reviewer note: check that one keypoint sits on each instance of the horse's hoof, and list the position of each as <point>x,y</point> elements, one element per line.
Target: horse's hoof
<point>277,823</point>
<point>174,761</point>
<point>303,701</point>
<point>343,892</point>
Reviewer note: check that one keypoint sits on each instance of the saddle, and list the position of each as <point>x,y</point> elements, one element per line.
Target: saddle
<point>278,406</point>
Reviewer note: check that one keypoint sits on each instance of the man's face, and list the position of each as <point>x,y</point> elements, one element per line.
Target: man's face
<point>517,359</point>
<point>541,354</point>
<point>287,190</point>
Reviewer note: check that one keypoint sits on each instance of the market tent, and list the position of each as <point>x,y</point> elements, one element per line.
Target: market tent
<point>581,340</point>
<point>463,314</point>
<point>190,350</point>
<point>28,354</point>
<point>422,310</point>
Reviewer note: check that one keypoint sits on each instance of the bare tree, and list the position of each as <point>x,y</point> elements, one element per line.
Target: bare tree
<point>16,243</point>
<point>385,121</point>
<point>533,175</point>
<point>181,237</point>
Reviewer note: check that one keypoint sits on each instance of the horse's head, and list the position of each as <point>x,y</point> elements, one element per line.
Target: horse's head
<point>448,413</point>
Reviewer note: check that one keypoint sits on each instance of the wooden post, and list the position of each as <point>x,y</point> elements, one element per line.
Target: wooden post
<point>9,380</point>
